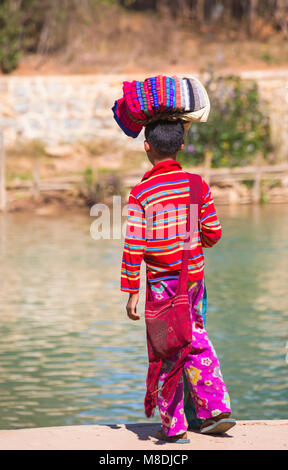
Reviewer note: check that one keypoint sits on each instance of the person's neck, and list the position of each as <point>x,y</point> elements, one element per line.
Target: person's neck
<point>160,160</point>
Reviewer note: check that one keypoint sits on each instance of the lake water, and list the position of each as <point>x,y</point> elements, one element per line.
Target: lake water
<point>69,355</point>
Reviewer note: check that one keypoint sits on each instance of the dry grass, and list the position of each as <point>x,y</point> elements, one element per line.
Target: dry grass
<point>116,41</point>
<point>100,156</point>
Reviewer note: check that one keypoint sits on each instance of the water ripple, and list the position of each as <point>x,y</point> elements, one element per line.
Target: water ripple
<point>69,355</point>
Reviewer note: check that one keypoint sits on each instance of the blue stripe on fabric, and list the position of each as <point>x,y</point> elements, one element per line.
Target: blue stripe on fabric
<point>179,262</point>
<point>166,248</point>
<point>165,193</point>
<point>152,281</point>
<point>154,91</point>
<point>131,264</point>
<point>129,273</point>
<point>178,208</point>
<point>139,95</point>
<point>134,247</point>
<point>129,288</point>
<point>136,238</point>
<point>161,184</point>
<point>169,219</point>
<point>167,92</point>
<point>136,219</point>
<point>174,92</point>
<point>165,238</point>
<point>209,215</point>
<point>135,208</point>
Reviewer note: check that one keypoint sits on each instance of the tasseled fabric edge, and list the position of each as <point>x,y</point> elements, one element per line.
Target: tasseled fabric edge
<point>134,129</point>
<point>169,384</point>
<point>153,374</point>
<point>171,381</point>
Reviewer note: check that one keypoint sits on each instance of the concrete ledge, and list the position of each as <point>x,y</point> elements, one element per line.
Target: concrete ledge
<point>251,435</point>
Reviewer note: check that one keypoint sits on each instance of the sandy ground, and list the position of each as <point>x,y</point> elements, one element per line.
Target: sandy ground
<point>250,435</point>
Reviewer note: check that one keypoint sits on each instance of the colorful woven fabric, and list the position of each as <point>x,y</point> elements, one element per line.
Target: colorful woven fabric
<point>208,392</point>
<point>158,238</point>
<point>160,97</point>
<point>121,116</point>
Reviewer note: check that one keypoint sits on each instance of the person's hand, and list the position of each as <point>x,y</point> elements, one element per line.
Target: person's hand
<point>131,306</point>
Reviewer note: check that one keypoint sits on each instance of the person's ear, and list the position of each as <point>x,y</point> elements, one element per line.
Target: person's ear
<point>182,146</point>
<point>147,146</point>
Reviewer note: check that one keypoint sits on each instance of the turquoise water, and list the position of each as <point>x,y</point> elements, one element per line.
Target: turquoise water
<point>69,355</point>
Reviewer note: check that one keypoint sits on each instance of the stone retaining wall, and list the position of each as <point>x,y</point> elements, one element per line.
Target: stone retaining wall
<point>66,109</point>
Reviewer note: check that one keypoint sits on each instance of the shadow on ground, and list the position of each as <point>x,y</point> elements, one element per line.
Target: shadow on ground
<point>146,431</point>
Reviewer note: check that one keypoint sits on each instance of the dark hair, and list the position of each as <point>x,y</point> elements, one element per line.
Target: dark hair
<point>166,137</point>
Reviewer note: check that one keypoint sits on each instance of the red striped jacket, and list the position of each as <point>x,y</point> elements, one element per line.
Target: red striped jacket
<point>156,223</point>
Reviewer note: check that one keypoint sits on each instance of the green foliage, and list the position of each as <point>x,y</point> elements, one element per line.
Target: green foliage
<point>33,149</point>
<point>23,175</point>
<point>101,187</point>
<point>89,178</point>
<point>10,33</point>
<point>47,26</point>
<point>237,129</point>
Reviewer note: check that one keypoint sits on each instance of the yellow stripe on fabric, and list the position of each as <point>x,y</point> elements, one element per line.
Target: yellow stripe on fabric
<point>157,176</point>
<point>156,201</point>
<point>136,225</point>
<point>133,252</point>
<point>173,224</point>
<point>165,253</point>
<point>130,278</point>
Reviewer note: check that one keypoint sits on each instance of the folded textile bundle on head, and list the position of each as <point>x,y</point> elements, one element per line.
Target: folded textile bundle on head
<point>160,97</point>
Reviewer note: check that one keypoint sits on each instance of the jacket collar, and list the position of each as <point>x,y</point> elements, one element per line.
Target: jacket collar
<point>162,167</point>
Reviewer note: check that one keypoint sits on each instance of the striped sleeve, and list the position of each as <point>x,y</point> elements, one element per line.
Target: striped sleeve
<point>134,246</point>
<point>211,230</point>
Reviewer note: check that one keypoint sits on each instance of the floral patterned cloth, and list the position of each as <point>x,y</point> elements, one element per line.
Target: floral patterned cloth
<point>202,368</point>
